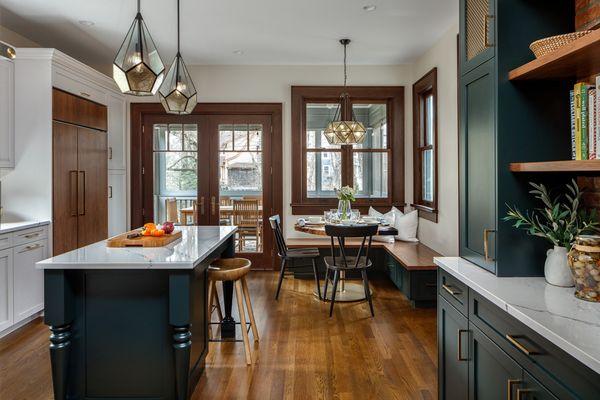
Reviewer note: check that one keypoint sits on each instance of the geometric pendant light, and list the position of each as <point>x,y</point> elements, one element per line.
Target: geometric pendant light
<point>178,93</point>
<point>137,68</point>
<point>344,131</point>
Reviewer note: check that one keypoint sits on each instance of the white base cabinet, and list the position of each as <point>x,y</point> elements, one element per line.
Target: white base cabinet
<point>21,284</point>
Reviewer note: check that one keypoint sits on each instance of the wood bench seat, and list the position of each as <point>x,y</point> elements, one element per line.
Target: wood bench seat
<point>409,265</point>
<point>412,256</point>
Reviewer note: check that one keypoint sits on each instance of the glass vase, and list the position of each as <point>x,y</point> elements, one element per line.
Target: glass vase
<point>344,210</point>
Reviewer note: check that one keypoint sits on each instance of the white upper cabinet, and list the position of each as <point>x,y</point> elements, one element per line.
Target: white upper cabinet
<point>7,116</point>
<point>116,131</point>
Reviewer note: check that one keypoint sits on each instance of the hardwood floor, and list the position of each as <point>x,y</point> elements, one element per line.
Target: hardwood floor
<point>302,353</point>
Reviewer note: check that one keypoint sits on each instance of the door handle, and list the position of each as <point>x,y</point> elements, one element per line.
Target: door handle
<point>110,192</point>
<point>487,19</point>
<point>213,205</point>
<point>515,342</point>
<point>460,357</point>
<point>509,385</point>
<point>486,253</point>
<point>81,193</point>
<point>110,155</point>
<point>73,193</point>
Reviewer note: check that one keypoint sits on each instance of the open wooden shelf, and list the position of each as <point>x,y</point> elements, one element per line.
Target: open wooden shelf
<point>579,59</point>
<point>557,166</point>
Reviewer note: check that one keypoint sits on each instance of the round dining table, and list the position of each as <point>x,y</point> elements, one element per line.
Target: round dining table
<point>348,291</point>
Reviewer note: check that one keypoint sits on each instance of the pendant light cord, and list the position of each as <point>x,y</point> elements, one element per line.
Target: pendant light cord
<point>139,6</point>
<point>178,33</point>
<point>345,67</point>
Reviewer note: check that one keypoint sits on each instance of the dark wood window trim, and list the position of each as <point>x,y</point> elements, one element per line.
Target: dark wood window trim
<point>393,97</point>
<point>139,110</point>
<point>423,88</point>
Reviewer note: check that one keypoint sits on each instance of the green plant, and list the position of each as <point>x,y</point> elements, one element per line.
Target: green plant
<point>346,193</point>
<point>560,220</point>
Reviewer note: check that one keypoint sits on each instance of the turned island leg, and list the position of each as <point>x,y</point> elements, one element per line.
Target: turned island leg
<point>60,346</point>
<point>182,343</point>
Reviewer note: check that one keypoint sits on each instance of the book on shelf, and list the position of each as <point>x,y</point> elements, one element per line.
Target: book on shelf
<point>572,106</point>
<point>591,125</point>
<point>585,128</point>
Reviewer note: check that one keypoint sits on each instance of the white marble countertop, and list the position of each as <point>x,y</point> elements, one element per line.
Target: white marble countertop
<point>553,312</point>
<point>6,227</point>
<point>196,243</point>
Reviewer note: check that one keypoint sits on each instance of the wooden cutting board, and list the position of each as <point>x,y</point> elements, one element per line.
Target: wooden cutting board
<point>142,241</point>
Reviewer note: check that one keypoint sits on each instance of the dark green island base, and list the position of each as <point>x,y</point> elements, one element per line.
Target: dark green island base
<point>123,332</point>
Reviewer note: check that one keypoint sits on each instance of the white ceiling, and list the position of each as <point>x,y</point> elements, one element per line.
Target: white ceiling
<point>269,32</point>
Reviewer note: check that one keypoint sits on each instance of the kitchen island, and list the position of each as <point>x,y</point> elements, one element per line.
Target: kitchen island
<point>132,322</point>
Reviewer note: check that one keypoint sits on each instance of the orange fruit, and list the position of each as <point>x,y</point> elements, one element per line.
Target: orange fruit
<point>158,232</point>
<point>146,232</point>
<point>150,226</point>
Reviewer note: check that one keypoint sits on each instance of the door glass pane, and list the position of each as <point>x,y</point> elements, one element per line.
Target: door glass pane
<point>427,180</point>
<point>374,118</point>
<point>429,120</point>
<point>370,174</point>
<point>175,172</point>
<point>318,116</point>
<point>323,173</point>
<point>241,183</point>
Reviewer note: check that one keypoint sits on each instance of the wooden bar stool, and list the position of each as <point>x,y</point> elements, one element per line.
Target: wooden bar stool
<point>233,269</point>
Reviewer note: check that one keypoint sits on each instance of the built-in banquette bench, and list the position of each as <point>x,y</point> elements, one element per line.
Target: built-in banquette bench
<point>409,265</point>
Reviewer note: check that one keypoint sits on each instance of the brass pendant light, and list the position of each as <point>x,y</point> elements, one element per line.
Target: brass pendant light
<point>138,69</point>
<point>178,93</point>
<point>340,131</point>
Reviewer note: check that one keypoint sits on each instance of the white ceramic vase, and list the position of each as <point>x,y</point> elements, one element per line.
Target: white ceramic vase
<point>556,268</point>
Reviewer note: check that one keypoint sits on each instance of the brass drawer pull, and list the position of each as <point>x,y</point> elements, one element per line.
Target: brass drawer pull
<point>30,247</point>
<point>460,357</point>
<point>523,349</point>
<point>509,386</point>
<point>521,391</point>
<point>32,235</point>
<point>451,290</point>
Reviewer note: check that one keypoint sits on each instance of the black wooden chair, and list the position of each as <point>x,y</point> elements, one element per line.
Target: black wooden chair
<point>343,262</point>
<point>290,256</point>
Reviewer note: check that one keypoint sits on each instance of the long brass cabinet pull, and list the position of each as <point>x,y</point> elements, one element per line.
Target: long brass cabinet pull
<point>213,205</point>
<point>486,250</point>
<point>520,393</point>
<point>451,290</point>
<point>73,192</point>
<point>202,205</point>
<point>514,342</point>
<point>509,386</point>
<point>487,43</point>
<point>460,357</point>
<point>81,194</point>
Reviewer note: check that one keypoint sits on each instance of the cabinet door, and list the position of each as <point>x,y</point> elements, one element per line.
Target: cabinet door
<point>477,33</point>
<point>492,373</point>
<point>92,202</point>
<point>6,289</point>
<point>453,348</point>
<point>28,281</point>
<point>64,187</point>
<point>477,166</point>
<point>531,389</point>
<point>116,131</point>
<point>117,207</point>
<point>7,114</point>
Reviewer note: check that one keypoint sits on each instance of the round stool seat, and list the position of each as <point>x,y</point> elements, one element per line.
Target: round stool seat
<point>229,269</point>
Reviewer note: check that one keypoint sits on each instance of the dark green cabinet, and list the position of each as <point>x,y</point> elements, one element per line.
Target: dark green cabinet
<point>477,22</point>
<point>453,352</point>
<point>477,165</point>
<point>502,122</point>
<point>492,373</point>
<point>531,389</point>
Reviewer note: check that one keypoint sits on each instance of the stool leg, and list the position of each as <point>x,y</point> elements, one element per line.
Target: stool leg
<point>211,287</point>
<point>283,261</point>
<point>316,272</point>
<point>250,311</point>
<point>238,295</point>
<point>336,279</point>
<point>217,302</point>
<point>367,291</point>
<point>326,283</point>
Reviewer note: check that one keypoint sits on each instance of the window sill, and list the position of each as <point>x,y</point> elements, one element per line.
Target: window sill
<point>319,209</point>
<point>428,213</point>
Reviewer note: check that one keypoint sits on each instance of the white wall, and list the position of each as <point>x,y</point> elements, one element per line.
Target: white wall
<point>443,235</point>
<point>14,39</point>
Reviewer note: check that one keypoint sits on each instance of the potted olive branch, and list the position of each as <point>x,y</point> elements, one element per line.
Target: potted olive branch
<point>559,221</point>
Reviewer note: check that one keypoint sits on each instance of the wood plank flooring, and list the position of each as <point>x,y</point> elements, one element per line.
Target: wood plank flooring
<point>302,353</point>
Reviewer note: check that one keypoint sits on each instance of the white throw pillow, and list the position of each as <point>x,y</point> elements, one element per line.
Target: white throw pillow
<point>388,217</point>
<point>407,226</point>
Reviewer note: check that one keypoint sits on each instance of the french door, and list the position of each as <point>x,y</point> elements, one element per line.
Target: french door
<point>211,170</point>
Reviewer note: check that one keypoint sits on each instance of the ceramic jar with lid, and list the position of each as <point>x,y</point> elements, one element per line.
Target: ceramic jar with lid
<point>584,261</point>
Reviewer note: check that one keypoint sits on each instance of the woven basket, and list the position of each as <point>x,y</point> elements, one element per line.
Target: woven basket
<point>549,45</point>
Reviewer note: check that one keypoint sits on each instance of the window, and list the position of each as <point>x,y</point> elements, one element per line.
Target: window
<point>320,168</point>
<point>424,145</point>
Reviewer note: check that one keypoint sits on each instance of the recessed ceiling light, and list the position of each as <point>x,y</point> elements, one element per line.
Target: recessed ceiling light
<point>85,22</point>
<point>238,52</point>
<point>369,7</point>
